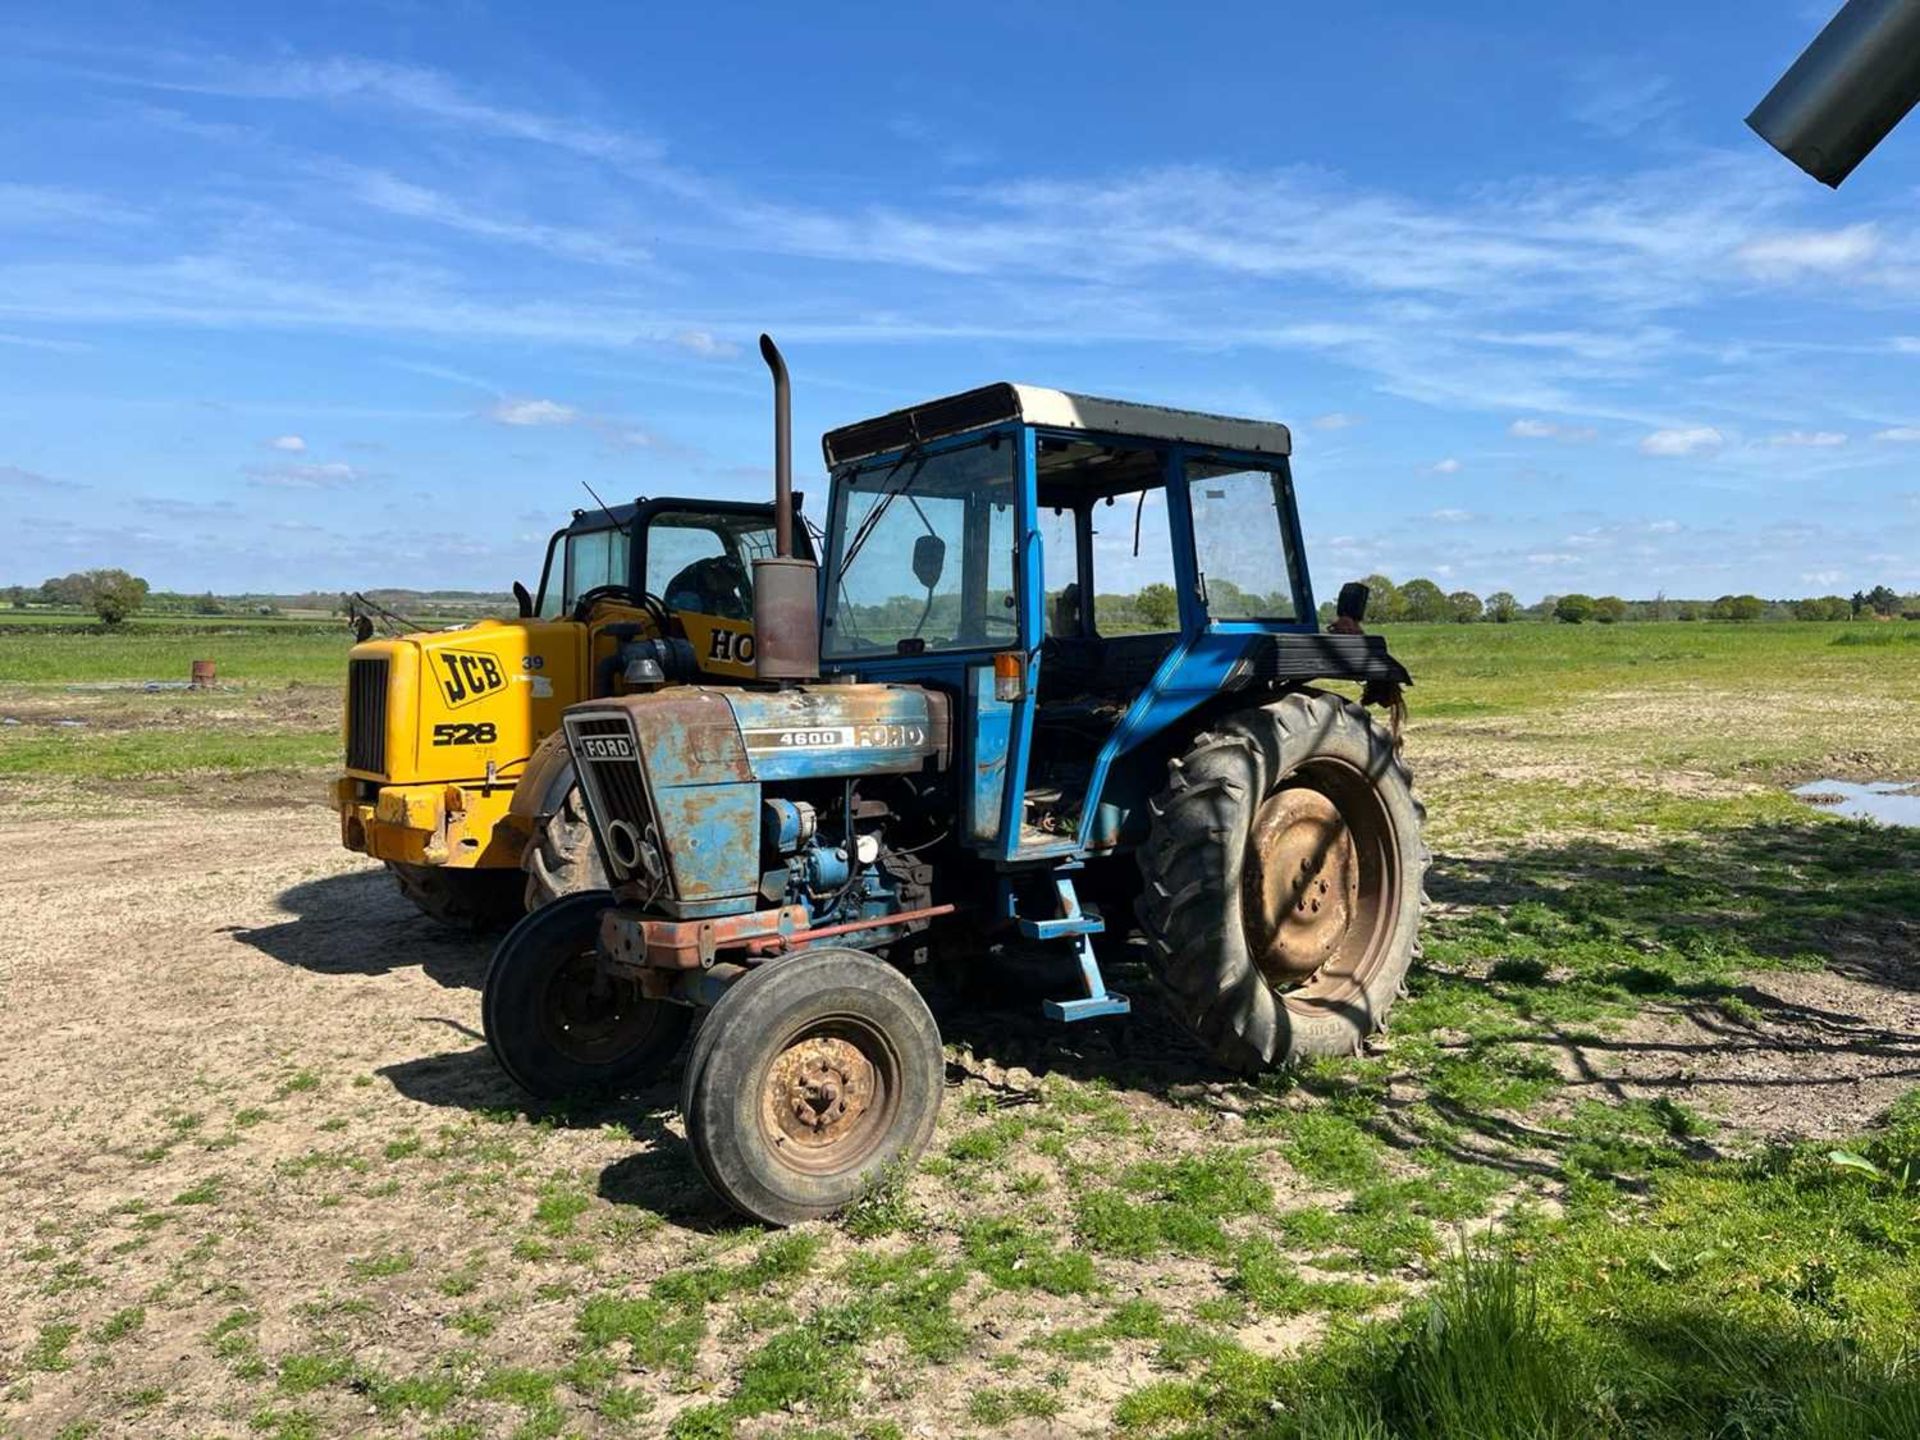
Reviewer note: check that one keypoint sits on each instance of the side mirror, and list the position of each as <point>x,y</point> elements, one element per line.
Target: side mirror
<point>929,560</point>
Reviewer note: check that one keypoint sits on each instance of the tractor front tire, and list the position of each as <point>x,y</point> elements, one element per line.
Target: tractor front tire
<point>557,1025</point>
<point>475,901</point>
<point>809,1080</point>
<point>560,858</point>
<point>1282,881</point>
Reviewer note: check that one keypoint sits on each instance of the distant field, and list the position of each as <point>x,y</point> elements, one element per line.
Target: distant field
<point>261,652</point>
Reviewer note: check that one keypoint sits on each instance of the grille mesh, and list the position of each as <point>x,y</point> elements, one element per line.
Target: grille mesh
<point>367,716</point>
<point>615,788</point>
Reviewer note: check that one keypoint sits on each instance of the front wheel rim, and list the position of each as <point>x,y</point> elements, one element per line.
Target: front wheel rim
<point>830,1096</point>
<point>589,1019</point>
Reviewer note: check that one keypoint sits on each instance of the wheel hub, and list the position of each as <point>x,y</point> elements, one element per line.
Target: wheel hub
<point>589,1018</point>
<point>1299,885</point>
<point>819,1091</point>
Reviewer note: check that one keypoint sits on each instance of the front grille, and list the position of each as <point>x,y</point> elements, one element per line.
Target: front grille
<point>367,716</point>
<point>612,781</point>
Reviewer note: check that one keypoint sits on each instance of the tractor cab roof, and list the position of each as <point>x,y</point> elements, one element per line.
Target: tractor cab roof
<point>1052,410</point>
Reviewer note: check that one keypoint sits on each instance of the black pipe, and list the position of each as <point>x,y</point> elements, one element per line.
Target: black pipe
<point>782,449</point>
<point>1853,84</point>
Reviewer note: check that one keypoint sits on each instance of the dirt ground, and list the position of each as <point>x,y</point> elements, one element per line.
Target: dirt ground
<point>240,1077</point>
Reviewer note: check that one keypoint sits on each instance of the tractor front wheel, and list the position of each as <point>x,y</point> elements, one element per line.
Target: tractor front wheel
<point>810,1078</point>
<point>559,1025</point>
<point>1282,881</point>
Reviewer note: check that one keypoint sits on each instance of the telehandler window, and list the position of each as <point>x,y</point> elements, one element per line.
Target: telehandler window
<point>595,558</point>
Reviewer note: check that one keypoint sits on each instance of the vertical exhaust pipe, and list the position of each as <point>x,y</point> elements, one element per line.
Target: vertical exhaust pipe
<point>786,589</point>
<point>782,448</point>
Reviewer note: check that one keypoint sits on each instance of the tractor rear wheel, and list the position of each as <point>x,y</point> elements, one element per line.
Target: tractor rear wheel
<point>808,1081</point>
<point>472,900</point>
<point>560,858</point>
<point>1283,875</point>
<point>557,1024</point>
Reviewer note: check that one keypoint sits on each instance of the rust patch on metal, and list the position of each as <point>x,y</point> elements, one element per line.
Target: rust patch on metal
<point>1300,885</point>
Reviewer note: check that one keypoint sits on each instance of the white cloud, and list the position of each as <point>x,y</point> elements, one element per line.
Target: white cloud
<point>706,345</point>
<point>1815,439</point>
<point>328,475</point>
<point>292,444</point>
<point>1684,440</point>
<point>1448,466</point>
<point>1900,433</point>
<point>1550,430</point>
<point>1821,577</point>
<point>1664,527</point>
<point>1906,344</point>
<point>1788,254</point>
<point>1552,557</point>
<point>1334,420</point>
<point>12,476</point>
<point>532,412</point>
<point>1451,516</point>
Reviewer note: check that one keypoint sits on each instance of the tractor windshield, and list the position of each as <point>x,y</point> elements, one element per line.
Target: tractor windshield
<point>922,553</point>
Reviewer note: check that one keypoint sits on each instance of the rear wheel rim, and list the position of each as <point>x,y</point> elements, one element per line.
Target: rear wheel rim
<point>1320,886</point>
<point>830,1096</point>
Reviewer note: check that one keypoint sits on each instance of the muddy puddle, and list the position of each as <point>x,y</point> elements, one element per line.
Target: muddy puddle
<point>1890,802</point>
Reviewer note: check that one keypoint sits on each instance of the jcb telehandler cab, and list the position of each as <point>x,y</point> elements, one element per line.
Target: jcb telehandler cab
<point>456,775</point>
<point>1068,645</point>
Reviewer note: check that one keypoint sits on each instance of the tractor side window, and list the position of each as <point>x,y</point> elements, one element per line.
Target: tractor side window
<point>1060,571</point>
<point>1241,540</point>
<point>595,558</point>
<point>1133,574</point>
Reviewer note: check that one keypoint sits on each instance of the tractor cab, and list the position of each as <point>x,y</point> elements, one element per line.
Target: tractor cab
<point>1083,576</point>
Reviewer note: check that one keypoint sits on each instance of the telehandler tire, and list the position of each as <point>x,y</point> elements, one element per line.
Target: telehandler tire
<point>559,1027</point>
<point>475,901</point>
<point>808,1081</point>
<point>560,858</point>
<point>1283,880</point>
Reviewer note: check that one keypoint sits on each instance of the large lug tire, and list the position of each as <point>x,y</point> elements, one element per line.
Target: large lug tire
<point>809,1080</point>
<point>1282,881</point>
<point>561,858</point>
<point>561,1028</point>
<point>475,901</point>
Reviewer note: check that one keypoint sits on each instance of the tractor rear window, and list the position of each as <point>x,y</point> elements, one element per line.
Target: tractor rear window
<point>1242,542</point>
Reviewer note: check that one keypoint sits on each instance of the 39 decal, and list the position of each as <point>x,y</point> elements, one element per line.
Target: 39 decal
<point>483,733</point>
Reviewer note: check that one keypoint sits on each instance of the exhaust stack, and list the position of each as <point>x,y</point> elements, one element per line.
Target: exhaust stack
<point>786,589</point>
<point>1853,84</point>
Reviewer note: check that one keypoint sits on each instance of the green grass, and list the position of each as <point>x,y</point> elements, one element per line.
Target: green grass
<point>259,653</point>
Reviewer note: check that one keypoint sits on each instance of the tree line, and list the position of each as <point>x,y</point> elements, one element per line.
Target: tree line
<point>1424,600</point>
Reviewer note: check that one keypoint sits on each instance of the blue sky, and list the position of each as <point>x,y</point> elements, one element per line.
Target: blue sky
<point>344,296</point>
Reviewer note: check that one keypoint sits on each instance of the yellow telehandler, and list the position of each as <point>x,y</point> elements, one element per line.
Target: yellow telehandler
<point>456,774</point>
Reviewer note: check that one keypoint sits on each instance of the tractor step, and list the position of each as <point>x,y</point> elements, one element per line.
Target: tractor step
<point>1075,924</point>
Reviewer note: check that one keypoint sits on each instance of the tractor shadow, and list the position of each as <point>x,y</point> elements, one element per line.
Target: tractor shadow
<point>1770,976</point>
<point>358,923</point>
<point>659,1176</point>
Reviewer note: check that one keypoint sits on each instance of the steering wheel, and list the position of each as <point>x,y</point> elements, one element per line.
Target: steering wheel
<point>656,611</point>
<point>722,585</point>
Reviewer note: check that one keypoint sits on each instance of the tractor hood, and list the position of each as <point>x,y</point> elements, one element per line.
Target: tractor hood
<point>673,779</point>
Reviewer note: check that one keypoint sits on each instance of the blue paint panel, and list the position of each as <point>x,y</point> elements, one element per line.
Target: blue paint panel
<point>711,834</point>
<point>983,751</point>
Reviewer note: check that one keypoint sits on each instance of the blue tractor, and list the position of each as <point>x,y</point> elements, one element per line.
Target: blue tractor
<point>1062,648</point>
